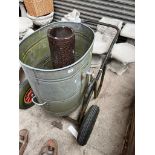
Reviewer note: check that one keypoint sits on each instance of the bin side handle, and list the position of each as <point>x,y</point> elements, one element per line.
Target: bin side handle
<point>34,100</point>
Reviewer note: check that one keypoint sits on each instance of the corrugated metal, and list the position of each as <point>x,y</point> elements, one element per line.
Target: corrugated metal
<point>95,9</point>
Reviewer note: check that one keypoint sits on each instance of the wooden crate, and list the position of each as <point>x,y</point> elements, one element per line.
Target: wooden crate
<point>39,7</point>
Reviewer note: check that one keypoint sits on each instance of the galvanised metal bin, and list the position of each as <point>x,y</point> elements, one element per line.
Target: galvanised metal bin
<point>58,91</point>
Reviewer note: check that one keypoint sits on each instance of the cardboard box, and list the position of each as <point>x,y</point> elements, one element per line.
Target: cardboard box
<point>39,7</point>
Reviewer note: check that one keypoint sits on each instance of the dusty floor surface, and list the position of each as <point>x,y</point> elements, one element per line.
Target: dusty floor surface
<point>107,136</point>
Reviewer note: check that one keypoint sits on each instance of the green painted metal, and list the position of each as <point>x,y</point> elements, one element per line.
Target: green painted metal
<point>61,90</point>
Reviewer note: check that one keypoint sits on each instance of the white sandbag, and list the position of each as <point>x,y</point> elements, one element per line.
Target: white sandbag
<point>112,21</point>
<point>128,31</point>
<point>117,67</point>
<point>124,52</point>
<point>41,20</point>
<point>103,38</point>
<point>29,32</point>
<point>73,16</point>
<point>101,43</point>
<point>105,35</point>
<point>107,31</point>
<point>24,24</point>
<point>23,10</point>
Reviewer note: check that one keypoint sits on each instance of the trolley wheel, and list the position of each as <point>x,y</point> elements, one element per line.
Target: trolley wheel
<point>87,125</point>
<point>25,95</point>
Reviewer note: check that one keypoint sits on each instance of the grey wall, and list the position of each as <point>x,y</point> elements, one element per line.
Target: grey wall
<point>95,9</point>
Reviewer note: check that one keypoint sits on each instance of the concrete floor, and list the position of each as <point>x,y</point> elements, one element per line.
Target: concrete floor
<point>107,136</point>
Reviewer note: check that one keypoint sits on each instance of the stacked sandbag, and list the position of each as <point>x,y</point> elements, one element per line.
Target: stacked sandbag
<point>105,35</point>
<point>25,26</point>
<point>73,16</point>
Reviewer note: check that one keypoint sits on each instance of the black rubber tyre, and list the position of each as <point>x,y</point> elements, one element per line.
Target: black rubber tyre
<point>87,125</point>
<point>25,95</point>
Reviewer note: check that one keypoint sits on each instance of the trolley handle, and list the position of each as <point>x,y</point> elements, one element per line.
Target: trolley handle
<point>94,22</point>
<point>101,73</point>
<point>92,87</point>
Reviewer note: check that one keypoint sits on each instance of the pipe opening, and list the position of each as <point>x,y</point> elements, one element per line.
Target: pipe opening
<point>60,32</point>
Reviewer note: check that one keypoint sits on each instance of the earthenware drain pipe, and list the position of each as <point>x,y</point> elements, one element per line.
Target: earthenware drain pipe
<point>62,45</point>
